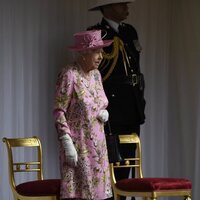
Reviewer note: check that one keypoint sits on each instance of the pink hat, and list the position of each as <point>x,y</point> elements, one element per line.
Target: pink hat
<point>89,40</point>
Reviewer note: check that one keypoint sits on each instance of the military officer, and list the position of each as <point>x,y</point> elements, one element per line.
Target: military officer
<point>122,78</point>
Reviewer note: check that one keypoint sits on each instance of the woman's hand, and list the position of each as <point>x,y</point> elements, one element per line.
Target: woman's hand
<point>70,150</point>
<point>103,115</point>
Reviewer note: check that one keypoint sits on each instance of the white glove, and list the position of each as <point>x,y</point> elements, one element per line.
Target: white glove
<point>103,115</point>
<point>70,151</point>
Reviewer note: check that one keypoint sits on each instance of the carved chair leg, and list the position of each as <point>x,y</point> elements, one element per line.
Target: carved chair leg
<point>116,196</point>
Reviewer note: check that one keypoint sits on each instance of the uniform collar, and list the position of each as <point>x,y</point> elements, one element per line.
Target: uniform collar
<point>113,24</point>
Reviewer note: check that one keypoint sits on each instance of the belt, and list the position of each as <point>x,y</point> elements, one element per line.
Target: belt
<point>132,80</point>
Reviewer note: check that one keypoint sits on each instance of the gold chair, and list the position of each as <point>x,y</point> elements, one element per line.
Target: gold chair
<point>38,189</point>
<point>147,188</point>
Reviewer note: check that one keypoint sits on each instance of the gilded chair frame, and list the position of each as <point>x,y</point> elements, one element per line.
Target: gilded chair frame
<point>18,167</point>
<point>136,164</point>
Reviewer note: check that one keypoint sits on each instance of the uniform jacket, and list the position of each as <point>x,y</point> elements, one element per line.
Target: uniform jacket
<point>126,102</point>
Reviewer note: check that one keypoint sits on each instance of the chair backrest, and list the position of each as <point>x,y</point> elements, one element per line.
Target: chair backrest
<point>148,188</point>
<point>23,166</point>
<point>135,162</point>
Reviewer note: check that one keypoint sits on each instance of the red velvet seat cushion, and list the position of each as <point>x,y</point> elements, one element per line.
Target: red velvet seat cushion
<point>152,184</point>
<point>39,188</point>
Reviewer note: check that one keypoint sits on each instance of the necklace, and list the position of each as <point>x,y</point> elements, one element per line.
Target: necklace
<point>88,80</point>
<point>85,77</point>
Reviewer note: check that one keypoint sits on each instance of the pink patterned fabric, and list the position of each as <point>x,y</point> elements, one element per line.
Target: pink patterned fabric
<point>77,104</point>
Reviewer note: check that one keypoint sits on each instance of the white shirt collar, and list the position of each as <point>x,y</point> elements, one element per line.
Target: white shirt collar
<point>113,24</point>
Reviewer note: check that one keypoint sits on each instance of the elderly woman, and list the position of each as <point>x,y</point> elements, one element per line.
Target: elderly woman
<point>80,113</point>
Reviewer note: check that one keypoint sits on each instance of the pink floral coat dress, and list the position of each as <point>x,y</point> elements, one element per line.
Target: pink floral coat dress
<point>77,105</point>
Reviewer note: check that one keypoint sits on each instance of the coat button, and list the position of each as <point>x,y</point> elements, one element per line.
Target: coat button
<point>94,108</point>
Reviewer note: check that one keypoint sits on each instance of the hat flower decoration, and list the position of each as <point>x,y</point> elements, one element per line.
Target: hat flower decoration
<point>87,40</point>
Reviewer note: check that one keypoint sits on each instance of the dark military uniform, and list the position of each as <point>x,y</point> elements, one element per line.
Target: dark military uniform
<point>125,92</point>
<point>125,85</point>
